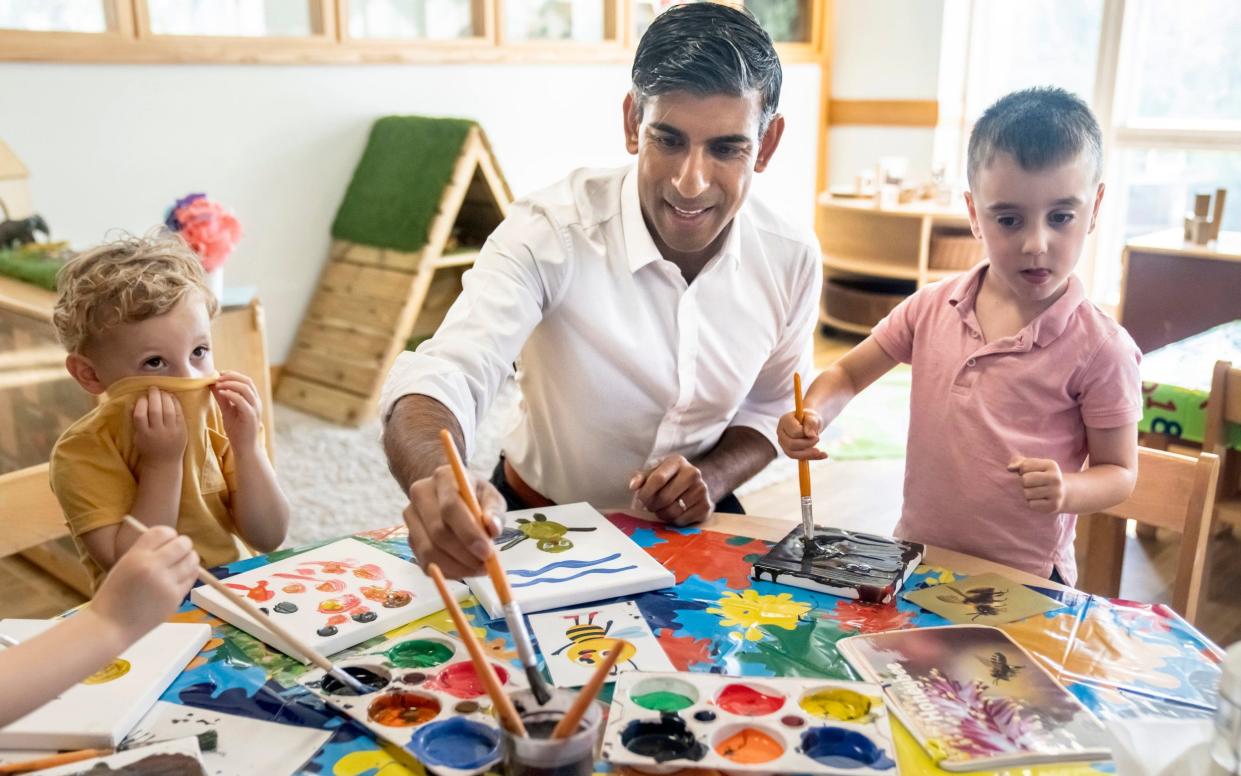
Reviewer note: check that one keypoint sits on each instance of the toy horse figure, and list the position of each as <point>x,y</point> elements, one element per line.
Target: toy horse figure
<point>22,231</point>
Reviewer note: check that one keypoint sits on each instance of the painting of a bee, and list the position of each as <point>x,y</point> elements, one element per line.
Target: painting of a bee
<point>984,601</point>
<point>590,643</point>
<point>548,534</point>
<point>1001,669</point>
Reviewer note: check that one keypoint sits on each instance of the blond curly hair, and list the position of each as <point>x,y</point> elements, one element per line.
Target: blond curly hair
<point>124,281</point>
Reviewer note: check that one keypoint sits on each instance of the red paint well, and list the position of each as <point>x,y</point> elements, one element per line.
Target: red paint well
<point>748,702</point>
<point>462,681</point>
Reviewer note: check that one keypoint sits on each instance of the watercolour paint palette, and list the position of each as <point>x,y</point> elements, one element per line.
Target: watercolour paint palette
<point>849,564</point>
<point>669,721</point>
<point>332,597</point>
<point>974,699</point>
<point>429,700</point>
<point>99,711</point>
<point>566,555</point>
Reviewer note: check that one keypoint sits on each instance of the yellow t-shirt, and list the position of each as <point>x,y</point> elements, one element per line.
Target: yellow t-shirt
<point>95,462</point>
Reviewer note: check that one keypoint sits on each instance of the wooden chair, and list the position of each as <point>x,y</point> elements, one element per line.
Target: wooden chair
<point>1223,410</point>
<point>1173,491</point>
<point>32,524</point>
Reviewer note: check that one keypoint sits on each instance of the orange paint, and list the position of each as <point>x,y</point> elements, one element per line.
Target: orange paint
<point>403,709</point>
<point>750,746</point>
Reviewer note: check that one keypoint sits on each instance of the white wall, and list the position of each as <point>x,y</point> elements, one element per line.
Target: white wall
<point>884,50</point>
<point>111,146</point>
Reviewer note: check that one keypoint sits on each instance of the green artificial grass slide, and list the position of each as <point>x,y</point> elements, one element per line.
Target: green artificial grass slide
<point>396,188</point>
<point>30,265</point>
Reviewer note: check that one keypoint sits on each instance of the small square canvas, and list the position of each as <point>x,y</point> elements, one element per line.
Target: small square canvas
<point>567,555</point>
<point>180,756</point>
<point>574,642</point>
<point>331,597</point>
<point>985,599</point>
<point>99,711</point>
<point>244,745</point>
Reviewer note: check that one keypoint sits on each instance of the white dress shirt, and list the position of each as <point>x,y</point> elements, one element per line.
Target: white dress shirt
<point>619,360</point>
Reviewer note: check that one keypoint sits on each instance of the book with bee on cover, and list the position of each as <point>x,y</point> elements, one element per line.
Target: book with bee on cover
<point>974,699</point>
<point>984,599</point>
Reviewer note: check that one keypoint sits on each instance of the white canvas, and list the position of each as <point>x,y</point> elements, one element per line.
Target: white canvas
<point>187,746</point>
<point>566,555</point>
<point>244,746</point>
<point>344,593</point>
<point>100,711</point>
<point>574,641</point>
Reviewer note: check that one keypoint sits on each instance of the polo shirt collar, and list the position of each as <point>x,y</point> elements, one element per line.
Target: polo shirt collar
<point>640,246</point>
<point>1046,326</point>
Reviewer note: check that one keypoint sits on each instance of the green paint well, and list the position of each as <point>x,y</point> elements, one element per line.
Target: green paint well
<point>419,653</point>
<point>663,700</point>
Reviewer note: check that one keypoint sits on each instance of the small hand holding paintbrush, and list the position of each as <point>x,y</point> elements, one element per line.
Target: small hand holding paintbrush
<point>809,546</point>
<point>262,619</point>
<point>512,611</point>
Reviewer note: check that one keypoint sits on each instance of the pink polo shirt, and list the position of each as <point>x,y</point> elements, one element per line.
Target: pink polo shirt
<point>977,405</point>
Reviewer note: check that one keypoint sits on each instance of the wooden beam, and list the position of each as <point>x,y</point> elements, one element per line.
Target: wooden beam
<point>883,113</point>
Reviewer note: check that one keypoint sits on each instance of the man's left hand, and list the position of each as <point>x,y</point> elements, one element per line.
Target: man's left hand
<point>241,408</point>
<point>1042,483</point>
<point>674,491</point>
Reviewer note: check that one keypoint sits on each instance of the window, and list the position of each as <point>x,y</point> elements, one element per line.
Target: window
<point>54,15</point>
<point>585,21</point>
<point>406,19</point>
<point>230,18</point>
<point>786,21</point>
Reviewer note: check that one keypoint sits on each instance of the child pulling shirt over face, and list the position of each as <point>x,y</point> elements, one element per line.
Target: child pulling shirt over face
<point>174,443</point>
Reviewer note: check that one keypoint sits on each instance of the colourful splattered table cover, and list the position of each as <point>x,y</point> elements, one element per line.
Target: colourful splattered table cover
<point>1176,382</point>
<point>1120,658</point>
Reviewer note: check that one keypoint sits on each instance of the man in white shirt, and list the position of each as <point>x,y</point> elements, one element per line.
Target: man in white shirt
<point>655,315</point>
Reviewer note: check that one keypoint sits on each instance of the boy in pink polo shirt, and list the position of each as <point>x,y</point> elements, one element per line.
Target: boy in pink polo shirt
<point>1017,378</point>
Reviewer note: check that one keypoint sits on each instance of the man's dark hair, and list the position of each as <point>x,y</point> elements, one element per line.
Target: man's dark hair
<point>707,48</point>
<point>1039,127</point>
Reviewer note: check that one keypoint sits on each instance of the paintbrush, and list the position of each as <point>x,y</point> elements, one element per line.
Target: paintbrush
<point>7,641</point>
<point>512,611</point>
<point>502,703</point>
<point>259,617</point>
<point>207,742</point>
<point>803,475</point>
<point>567,725</point>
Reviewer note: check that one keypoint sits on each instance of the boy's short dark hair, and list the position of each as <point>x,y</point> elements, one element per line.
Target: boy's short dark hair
<point>707,48</point>
<point>1039,127</point>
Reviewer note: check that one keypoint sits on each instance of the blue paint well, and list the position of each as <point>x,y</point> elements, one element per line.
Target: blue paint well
<point>839,748</point>
<point>456,743</point>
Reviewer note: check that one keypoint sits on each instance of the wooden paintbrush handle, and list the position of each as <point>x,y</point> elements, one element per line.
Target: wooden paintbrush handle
<point>51,761</point>
<point>494,570</point>
<point>503,704</point>
<point>586,696</point>
<point>799,412</point>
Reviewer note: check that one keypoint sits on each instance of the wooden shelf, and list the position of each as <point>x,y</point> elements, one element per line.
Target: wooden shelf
<point>870,268</point>
<point>836,323</point>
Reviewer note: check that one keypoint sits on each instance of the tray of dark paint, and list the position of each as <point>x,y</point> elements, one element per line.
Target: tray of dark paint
<point>428,699</point>
<point>661,722</point>
<point>843,563</point>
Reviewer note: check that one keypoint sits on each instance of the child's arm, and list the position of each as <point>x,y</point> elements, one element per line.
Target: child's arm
<point>143,589</point>
<point>1107,480</point>
<point>159,435</point>
<point>828,395</point>
<point>259,507</point>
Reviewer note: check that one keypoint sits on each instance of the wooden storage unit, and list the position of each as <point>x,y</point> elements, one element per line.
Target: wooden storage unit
<point>873,257</point>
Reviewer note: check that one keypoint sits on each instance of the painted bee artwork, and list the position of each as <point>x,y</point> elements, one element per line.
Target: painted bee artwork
<point>548,535</point>
<point>1001,669</point>
<point>574,641</point>
<point>984,601</point>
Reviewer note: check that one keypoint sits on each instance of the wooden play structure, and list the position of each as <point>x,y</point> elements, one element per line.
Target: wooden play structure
<point>423,199</point>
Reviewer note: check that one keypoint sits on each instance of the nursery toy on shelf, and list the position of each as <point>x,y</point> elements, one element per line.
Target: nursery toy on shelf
<point>210,230</point>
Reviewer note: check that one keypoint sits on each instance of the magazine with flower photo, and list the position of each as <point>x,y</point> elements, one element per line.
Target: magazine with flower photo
<point>974,699</point>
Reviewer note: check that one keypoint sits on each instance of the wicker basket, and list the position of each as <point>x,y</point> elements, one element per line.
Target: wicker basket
<point>954,250</point>
<point>863,302</point>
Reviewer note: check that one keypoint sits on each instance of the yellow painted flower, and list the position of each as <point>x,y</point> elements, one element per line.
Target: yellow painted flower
<point>750,610</point>
<point>374,762</point>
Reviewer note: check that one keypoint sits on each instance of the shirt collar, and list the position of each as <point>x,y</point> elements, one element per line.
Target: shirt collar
<point>640,246</point>
<point>1046,326</point>
<point>140,383</point>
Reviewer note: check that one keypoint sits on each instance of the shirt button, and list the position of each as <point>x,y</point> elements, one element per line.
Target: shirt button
<point>973,334</point>
<point>971,362</point>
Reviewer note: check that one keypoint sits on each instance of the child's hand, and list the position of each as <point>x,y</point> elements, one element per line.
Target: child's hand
<point>241,408</point>
<point>159,428</point>
<point>798,439</point>
<point>1042,483</point>
<point>148,583</point>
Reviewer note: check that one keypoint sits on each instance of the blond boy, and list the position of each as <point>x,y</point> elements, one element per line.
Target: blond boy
<point>1025,396</point>
<point>174,442</point>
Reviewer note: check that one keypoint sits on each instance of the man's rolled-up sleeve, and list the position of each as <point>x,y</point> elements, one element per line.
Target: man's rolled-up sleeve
<point>519,271</point>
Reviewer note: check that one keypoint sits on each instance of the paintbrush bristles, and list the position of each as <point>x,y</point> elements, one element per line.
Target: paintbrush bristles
<point>502,703</point>
<point>586,696</point>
